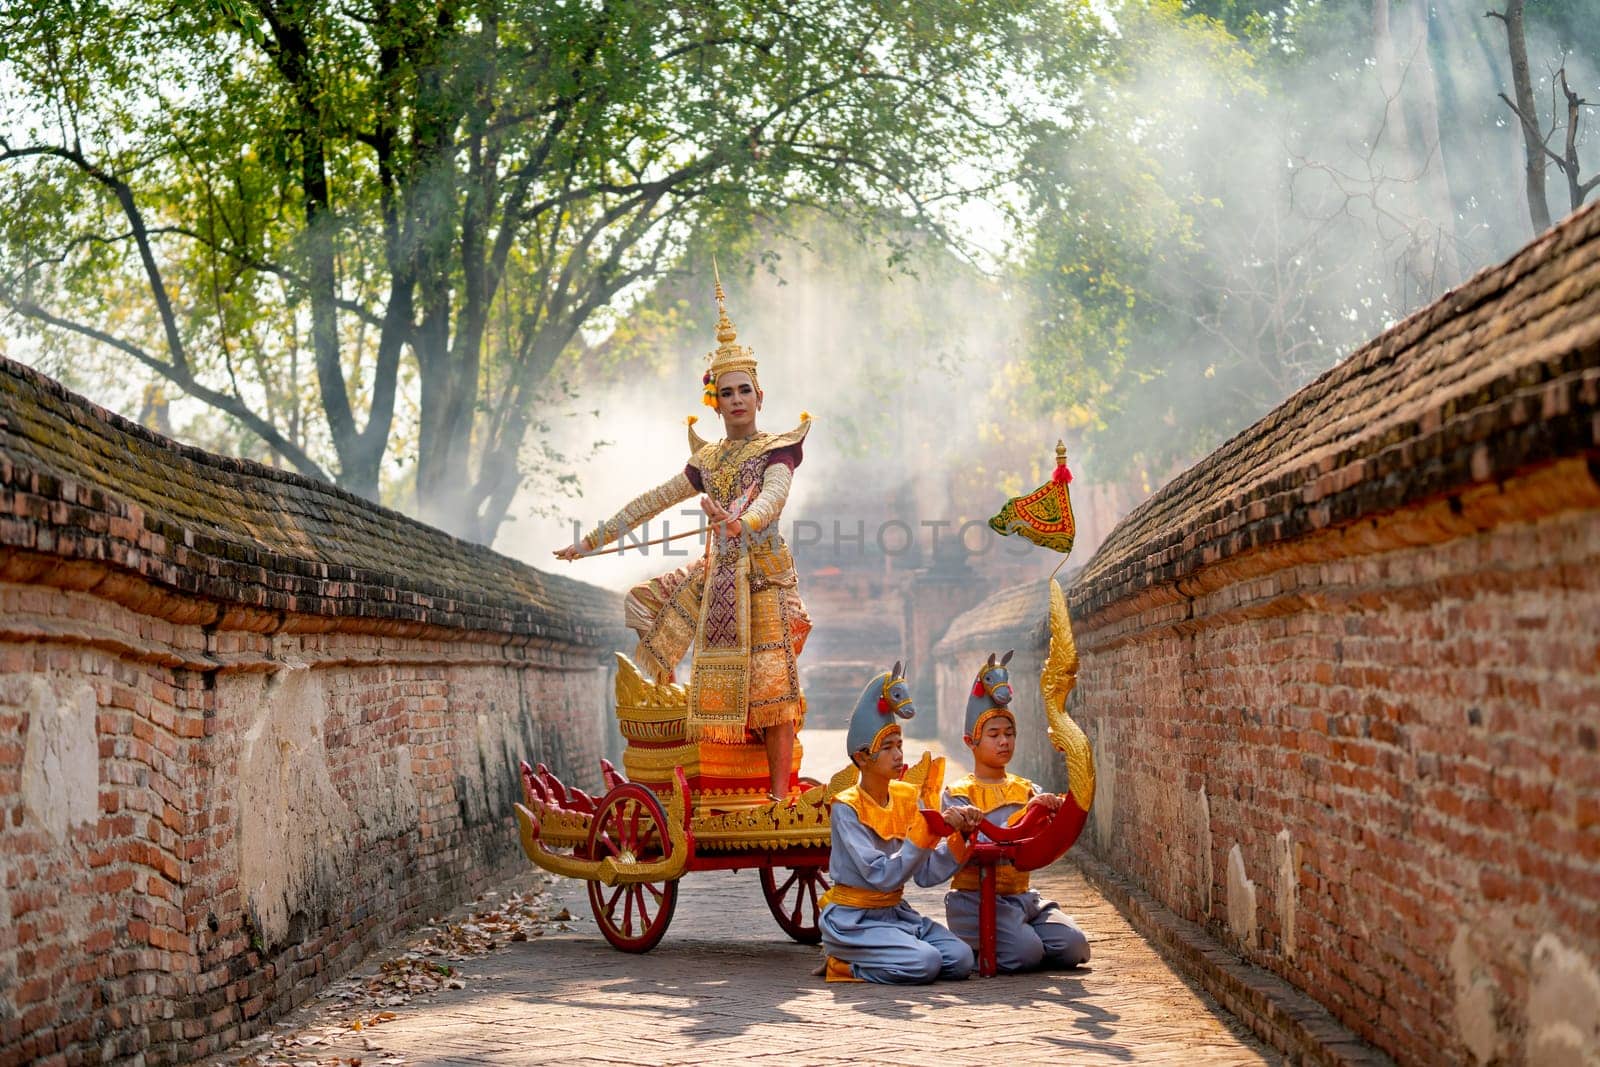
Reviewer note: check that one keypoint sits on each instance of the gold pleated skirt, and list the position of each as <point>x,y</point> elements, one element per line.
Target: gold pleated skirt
<point>665,611</point>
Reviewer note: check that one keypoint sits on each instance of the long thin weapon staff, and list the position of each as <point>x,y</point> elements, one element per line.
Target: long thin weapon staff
<point>620,547</point>
<point>737,510</point>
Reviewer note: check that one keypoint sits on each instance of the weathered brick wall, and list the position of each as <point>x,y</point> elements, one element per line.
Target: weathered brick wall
<point>250,727</point>
<point>1343,677</point>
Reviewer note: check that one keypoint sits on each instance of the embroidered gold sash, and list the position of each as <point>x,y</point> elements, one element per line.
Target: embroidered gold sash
<point>1007,880</point>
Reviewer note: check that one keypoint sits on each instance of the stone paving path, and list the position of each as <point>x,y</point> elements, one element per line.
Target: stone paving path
<point>726,986</point>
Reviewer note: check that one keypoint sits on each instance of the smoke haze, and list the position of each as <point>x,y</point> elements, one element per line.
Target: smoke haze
<point>1281,228</point>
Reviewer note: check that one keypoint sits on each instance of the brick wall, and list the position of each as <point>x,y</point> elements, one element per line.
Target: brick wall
<point>1343,677</point>
<point>250,727</point>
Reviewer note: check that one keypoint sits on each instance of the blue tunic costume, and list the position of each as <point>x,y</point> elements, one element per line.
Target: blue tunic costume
<point>876,850</point>
<point>1029,930</point>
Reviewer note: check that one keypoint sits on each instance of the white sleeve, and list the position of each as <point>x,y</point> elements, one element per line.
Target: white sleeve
<point>768,505</point>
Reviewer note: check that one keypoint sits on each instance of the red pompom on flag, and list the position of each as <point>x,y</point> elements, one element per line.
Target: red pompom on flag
<point>1062,476</point>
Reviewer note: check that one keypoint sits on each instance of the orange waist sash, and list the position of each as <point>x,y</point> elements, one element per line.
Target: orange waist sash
<point>1007,880</point>
<point>851,897</point>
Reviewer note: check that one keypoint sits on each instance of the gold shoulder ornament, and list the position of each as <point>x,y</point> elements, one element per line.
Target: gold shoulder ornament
<point>702,451</point>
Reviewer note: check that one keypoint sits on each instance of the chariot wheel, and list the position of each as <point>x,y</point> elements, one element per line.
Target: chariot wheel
<point>629,826</point>
<point>795,900</point>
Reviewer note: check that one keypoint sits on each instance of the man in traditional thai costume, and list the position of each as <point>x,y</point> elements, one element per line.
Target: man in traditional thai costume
<point>881,840</point>
<point>739,605</point>
<point>1029,930</point>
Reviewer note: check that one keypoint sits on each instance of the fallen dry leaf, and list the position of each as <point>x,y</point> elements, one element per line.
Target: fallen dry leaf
<point>425,968</point>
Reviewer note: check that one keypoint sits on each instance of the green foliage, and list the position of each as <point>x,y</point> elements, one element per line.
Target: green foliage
<point>1120,240</point>
<point>380,240</point>
<point>285,207</point>
<point>1232,216</point>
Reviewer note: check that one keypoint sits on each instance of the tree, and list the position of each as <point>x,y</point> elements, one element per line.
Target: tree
<point>1566,116</point>
<point>1533,145</point>
<point>228,190</point>
<point>1237,215</point>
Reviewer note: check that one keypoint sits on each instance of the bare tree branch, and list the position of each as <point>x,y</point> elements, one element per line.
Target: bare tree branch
<point>1529,127</point>
<point>1534,147</point>
<point>125,199</point>
<point>231,405</point>
<point>1576,190</point>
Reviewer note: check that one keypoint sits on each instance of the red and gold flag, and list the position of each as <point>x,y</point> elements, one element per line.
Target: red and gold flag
<point>1043,516</point>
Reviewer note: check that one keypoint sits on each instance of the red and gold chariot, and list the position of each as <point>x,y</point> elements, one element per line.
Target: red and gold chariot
<point>679,805</point>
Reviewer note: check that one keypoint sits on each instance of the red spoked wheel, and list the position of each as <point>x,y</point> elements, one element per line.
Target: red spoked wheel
<point>630,827</point>
<point>795,901</point>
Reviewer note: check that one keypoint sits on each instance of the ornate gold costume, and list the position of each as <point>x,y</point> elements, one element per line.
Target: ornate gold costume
<point>738,606</point>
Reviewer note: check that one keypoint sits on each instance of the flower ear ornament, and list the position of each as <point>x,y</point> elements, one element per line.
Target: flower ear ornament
<point>708,392</point>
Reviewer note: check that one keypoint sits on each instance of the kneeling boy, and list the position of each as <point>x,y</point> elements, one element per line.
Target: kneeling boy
<point>880,842</point>
<point>1029,930</point>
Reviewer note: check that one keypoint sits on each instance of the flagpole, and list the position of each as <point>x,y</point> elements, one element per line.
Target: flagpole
<point>1063,563</point>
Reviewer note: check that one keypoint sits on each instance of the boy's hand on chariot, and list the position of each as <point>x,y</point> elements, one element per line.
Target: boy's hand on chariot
<point>1047,801</point>
<point>571,552</point>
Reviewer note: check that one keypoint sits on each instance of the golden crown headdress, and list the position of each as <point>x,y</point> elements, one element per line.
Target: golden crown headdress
<point>728,355</point>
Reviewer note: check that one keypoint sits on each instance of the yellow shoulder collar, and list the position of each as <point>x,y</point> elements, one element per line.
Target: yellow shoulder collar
<point>890,822</point>
<point>987,796</point>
